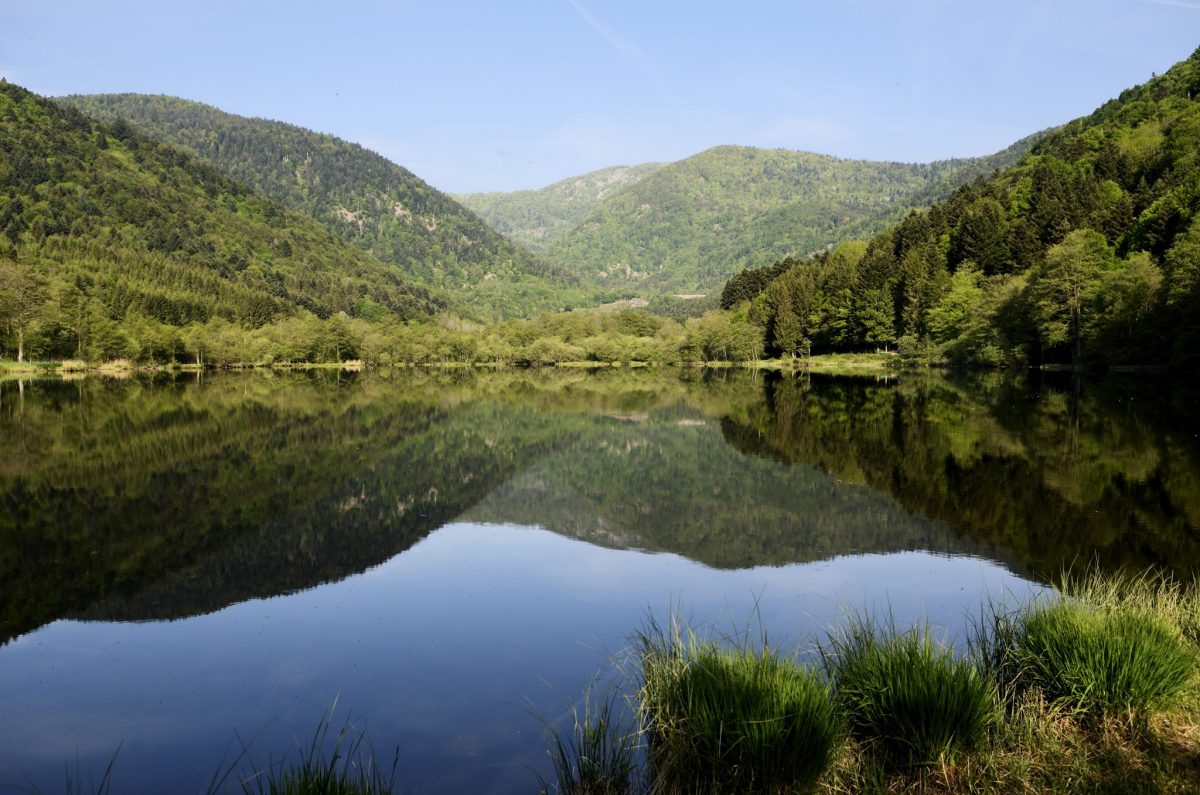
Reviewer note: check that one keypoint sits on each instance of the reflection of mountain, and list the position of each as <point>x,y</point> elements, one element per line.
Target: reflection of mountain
<point>670,483</point>
<point>162,499</point>
<point>1057,476</point>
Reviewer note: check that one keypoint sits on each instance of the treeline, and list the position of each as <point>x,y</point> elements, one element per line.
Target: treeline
<point>1087,251</point>
<point>64,319</point>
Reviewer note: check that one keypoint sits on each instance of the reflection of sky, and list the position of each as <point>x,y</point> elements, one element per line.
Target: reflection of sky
<point>443,650</point>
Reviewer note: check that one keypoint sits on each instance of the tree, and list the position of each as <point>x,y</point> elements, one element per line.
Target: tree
<point>1182,267</point>
<point>875,316</point>
<point>1128,295</point>
<point>952,316</point>
<point>22,294</point>
<point>980,236</point>
<point>786,329</point>
<point>1064,288</point>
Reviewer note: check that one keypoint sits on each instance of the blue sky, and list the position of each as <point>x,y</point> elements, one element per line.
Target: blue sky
<point>475,95</point>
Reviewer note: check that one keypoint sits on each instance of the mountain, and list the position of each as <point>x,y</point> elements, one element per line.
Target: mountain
<point>1086,251</point>
<point>690,225</point>
<point>368,200</point>
<point>539,217</point>
<point>109,240</point>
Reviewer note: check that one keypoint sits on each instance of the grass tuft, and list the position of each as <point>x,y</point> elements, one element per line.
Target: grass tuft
<point>907,696</point>
<point>599,753</point>
<point>732,720</point>
<point>341,764</point>
<point>1100,663</point>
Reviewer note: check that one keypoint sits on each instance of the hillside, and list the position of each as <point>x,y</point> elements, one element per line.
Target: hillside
<point>692,224</point>
<point>368,200</point>
<point>539,217</point>
<point>111,243</point>
<point>1087,251</point>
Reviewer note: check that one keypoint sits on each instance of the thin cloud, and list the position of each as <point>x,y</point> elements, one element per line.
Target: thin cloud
<point>1175,3</point>
<point>624,48</point>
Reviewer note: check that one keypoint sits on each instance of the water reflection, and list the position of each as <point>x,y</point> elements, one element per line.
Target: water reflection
<point>1054,471</point>
<point>167,498</point>
<point>539,516</point>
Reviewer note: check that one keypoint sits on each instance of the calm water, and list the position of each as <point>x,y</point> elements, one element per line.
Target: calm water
<point>186,562</point>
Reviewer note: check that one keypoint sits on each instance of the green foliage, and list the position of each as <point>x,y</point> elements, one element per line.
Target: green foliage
<point>538,218</point>
<point>1083,251</point>
<point>1110,662</point>
<point>366,199</point>
<point>138,231</point>
<point>736,720</point>
<point>22,294</point>
<point>906,695</point>
<point>1065,288</point>
<point>691,225</point>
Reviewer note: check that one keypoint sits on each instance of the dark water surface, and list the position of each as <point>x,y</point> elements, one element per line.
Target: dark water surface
<point>449,555</point>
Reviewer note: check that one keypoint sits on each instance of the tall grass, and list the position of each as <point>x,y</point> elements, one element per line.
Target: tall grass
<point>1172,602</point>
<point>341,764</point>
<point>1099,662</point>
<point>599,754</point>
<point>732,719</point>
<point>906,695</point>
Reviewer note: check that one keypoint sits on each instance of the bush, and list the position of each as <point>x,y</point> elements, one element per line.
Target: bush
<point>906,695</point>
<point>1100,663</point>
<point>733,720</point>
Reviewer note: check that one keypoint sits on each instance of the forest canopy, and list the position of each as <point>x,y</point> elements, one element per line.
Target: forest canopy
<point>1086,252</point>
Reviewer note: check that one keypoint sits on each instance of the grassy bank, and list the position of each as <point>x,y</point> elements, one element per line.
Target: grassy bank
<point>1096,689</point>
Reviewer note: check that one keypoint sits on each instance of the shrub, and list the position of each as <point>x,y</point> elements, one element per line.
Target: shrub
<point>906,695</point>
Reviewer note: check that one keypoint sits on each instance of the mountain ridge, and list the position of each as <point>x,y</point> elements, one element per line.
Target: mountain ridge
<point>539,216</point>
<point>687,226</point>
<point>368,200</point>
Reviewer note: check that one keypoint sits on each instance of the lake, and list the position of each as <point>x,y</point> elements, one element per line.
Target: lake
<point>190,564</point>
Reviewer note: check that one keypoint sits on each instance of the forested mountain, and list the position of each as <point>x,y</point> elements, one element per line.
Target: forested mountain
<point>1086,251</point>
<point>113,244</point>
<point>367,199</point>
<point>539,217</point>
<point>692,224</point>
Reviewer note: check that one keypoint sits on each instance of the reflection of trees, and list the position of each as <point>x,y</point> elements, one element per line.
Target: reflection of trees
<point>162,498</point>
<point>1056,473</point>
<point>171,499</point>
